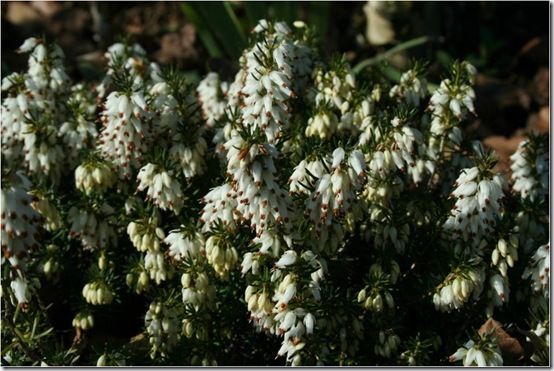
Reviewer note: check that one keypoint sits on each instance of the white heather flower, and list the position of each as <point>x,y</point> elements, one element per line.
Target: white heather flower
<point>309,322</point>
<point>335,86</point>
<point>357,162</point>
<point>261,200</point>
<point>272,65</point>
<point>191,159</point>
<point>20,289</point>
<point>411,88</point>
<point>94,176</point>
<point>162,326</point>
<point>97,293</point>
<point>499,292</point>
<point>184,245</point>
<point>457,99</point>
<point>542,330</point>
<point>285,291</point>
<point>46,68</point>
<point>51,215</point>
<point>261,308</point>
<point>478,204</point>
<point>301,178</point>
<point>251,262</point>
<point>155,264</point>
<point>486,353</point>
<point>505,254</point>
<point>83,320</point>
<point>145,234</point>
<point>454,292</point>
<point>323,125</point>
<point>405,151</point>
<point>135,65</point>
<point>539,270</point>
<point>79,131</point>
<point>530,169</point>
<point>13,119</point>
<point>31,114</point>
<point>271,243</point>
<point>221,204</point>
<point>334,192</point>
<point>211,96</point>
<point>186,145</point>
<point>140,282</point>
<point>165,110</point>
<point>28,45</point>
<point>94,229</point>
<point>20,222</point>
<point>162,187</point>
<point>450,103</point>
<point>288,258</point>
<point>43,154</point>
<point>221,256</point>
<point>123,134</point>
<point>197,289</point>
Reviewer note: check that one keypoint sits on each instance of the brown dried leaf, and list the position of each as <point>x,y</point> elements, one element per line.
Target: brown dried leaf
<point>511,349</point>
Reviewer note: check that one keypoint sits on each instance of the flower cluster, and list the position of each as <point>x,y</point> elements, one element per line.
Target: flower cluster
<point>162,326</point>
<point>92,228</point>
<point>458,288</point>
<point>20,223</point>
<point>211,95</point>
<point>94,176</point>
<point>530,168</point>
<point>33,107</point>
<point>450,104</point>
<point>539,270</point>
<point>84,321</point>
<point>98,293</point>
<point>478,203</point>
<point>162,187</point>
<point>483,352</point>
<point>411,88</point>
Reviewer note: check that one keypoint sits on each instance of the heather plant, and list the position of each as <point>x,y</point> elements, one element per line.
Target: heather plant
<point>300,214</point>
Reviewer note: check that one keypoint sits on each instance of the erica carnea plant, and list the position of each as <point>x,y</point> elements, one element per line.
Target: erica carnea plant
<point>298,214</point>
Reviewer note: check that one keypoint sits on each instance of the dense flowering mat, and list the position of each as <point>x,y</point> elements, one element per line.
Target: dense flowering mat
<point>300,211</point>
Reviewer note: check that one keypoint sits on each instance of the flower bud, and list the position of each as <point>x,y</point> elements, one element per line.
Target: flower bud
<point>502,247</point>
<point>143,279</point>
<point>361,296</point>
<point>102,262</point>
<point>101,361</point>
<point>495,256</point>
<point>129,278</point>
<point>378,303</point>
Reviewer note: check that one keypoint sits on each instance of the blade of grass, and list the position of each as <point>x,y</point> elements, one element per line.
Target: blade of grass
<point>203,32</point>
<point>234,19</point>
<point>398,48</point>
<point>392,73</point>
<point>219,20</point>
